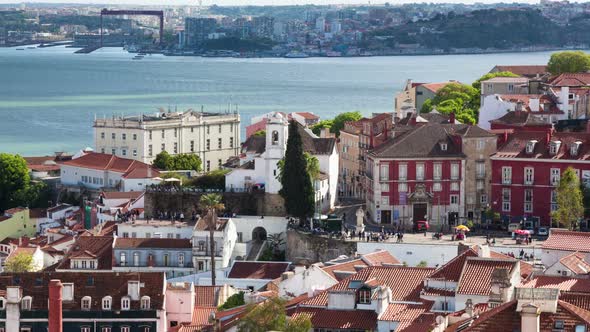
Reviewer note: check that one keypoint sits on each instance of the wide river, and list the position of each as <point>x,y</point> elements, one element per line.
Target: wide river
<point>49,97</point>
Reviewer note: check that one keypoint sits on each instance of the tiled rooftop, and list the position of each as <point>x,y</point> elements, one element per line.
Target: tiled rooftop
<point>560,239</point>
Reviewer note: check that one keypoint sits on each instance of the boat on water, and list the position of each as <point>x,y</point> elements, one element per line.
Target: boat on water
<point>296,55</point>
<point>142,54</point>
<point>20,49</point>
<point>31,47</point>
<point>138,57</point>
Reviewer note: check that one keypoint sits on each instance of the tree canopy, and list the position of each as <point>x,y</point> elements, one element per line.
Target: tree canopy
<point>336,124</point>
<point>212,180</point>
<point>297,188</point>
<point>233,301</point>
<point>570,205</point>
<point>16,187</point>
<point>461,99</point>
<point>19,263</point>
<point>182,161</point>
<point>271,316</point>
<point>568,62</point>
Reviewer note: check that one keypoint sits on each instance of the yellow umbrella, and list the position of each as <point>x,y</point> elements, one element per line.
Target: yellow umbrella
<point>463,228</point>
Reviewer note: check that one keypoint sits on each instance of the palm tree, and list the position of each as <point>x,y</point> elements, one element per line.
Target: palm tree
<point>211,203</point>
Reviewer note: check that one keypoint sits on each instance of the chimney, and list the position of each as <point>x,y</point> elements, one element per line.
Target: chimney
<point>55,310</point>
<point>483,251</point>
<point>499,287</point>
<point>529,321</point>
<point>469,307</point>
<point>462,248</point>
<point>452,117</point>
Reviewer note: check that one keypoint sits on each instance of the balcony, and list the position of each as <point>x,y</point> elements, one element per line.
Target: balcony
<point>480,176</point>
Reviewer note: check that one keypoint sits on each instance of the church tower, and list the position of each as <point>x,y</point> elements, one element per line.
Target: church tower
<point>277,132</point>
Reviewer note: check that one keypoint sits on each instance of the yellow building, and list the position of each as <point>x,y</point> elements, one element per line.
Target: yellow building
<point>16,223</point>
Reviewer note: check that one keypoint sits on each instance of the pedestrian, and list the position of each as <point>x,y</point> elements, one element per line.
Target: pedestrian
<point>521,253</point>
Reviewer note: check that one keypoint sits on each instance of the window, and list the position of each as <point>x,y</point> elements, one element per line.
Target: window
<point>554,147</point>
<point>2,303</point>
<point>479,185</point>
<point>135,137</point>
<point>102,135</point>
<point>84,264</point>
<point>220,162</point>
<point>402,187</point>
<point>163,134</point>
<point>192,146</point>
<point>145,303</point>
<point>480,145</point>
<point>219,143</point>
<point>506,175</point>
<point>454,171</point>
<point>124,136</point>
<point>420,172</point>
<point>175,147</point>
<point>403,172</point>
<point>123,258</point>
<point>529,175</point>
<point>166,259</point>
<point>208,144</point>
<point>201,245</point>
<point>231,142</point>
<point>454,186</point>
<point>207,129</point>
<point>384,187</point>
<point>150,150</point>
<point>68,291</point>
<point>135,259</point>
<point>113,151</point>
<point>86,303</point>
<point>483,199</point>
<point>365,296</point>
<point>553,200</point>
<point>105,329</point>
<point>384,200</point>
<point>163,146</point>
<point>220,129</point>
<point>125,303</point>
<point>175,132</point>
<point>85,329</point>
<point>555,176</point>
<point>113,135</point>
<point>510,87</point>
<point>102,150</point>
<point>574,148</point>
<point>384,172</point>
<point>559,324</point>
<point>180,259</point>
<point>530,146</point>
<point>150,134</point>
<point>124,152</point>
<point>26,302</point>
<point>437,171</point>
<point>528,200</point>
<point>454,199</point>
<point>125,329</point>
<point>436,186</point>
<point>580,328</point>
<point>506,199</point>
<point>443,146</point>
<point>135,152</point>
<point>480,169</point>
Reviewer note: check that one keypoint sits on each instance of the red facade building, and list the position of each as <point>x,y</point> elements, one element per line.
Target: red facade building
<point>527,168</point>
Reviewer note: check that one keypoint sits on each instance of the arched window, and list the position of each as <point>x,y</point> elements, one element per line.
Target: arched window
<point>26,303</point>
<point>86,303</point>
<point>125,303</point>
<point>145,303</point>
<point>123,259</point>
<point>275,137</point>
<point>107,303</point>
<point>135,259</point>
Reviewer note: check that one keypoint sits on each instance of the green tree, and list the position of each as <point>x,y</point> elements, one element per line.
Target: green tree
<point>186,161</point>
<point>36,195</point>
<point>19,263</point>
<point>212,180</point>
<point>340,119</point>
<point>317,128</point>
<point>211,203</point>
<point>422,264</point>
<point>271,316</point>
<point>461,99</point>
<point>261,132</point>
<point>233,301</point>
<point>14,180</point>
<point>297,189</point>
<point>163,161</point>
<point>568,62</point>
<point>570,206</point>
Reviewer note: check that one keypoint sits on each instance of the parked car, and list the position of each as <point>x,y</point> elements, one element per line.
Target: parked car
<point>543,231</point>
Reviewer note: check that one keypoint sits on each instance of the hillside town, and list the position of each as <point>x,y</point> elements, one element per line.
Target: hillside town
<point>465,208</point>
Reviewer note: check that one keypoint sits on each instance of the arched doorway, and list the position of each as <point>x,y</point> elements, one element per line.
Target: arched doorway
<point>259,234</point>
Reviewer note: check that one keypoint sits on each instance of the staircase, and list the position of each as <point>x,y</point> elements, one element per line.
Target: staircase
<point>255,250</point>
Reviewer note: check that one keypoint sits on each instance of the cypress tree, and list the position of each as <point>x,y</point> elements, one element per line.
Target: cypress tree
<point>297,189</point>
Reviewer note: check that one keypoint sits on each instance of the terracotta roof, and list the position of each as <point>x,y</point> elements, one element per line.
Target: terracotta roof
<point>526,270</point>
<point>560,239</point>
<point>524,70</point>
<point>125,243</point>
<point>307,115</point>
<point>206,296</point>
<point>411,317</point>
<point>451,271</point>
<point>570,80</point>
<point>567,284</point>
<point>314,145</point>
<point>430,291</point>
<point>520,119</point>
<point>95,285</point>
<point>254,144</point>
<point>257,270</point>
<point>434,87</point>
<point>379,257</point>
<point>350,267</point>
<point>575,262</point>
<point>122,194</point>
<point>130,168</point>
<point>339,319</point>
<point>476,277</point>
<point>200,319</point>
<point>95,247</point>
<point>203,225</point>
<point>581,300</point>
<point>404,282</point>
<point>500,79</point>
<point>515,147</point>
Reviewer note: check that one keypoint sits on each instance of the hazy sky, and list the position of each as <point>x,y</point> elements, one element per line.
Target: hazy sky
<point>254,2</point>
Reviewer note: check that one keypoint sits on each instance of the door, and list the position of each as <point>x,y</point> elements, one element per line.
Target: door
<point>420,210</point>
<point>386,217</point>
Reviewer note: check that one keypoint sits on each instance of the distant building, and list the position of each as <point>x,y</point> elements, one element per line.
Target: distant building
<point>305,118</point>
<point>542,107</point>
<point>214,137</point>
<point>15,223</point>
<point>263,26</point>
<point>225,238</point>
<point>504,86</point>
<point>197,29</point>
<point>427,91</point>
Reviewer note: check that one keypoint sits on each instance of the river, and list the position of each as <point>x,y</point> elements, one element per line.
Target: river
<point>49,96</point>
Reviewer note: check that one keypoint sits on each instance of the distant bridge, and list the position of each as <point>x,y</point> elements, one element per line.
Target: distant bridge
<point>158,13</point>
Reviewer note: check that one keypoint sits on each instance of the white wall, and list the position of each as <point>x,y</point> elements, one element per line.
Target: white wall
<point>272,225</point>
<point>493,108</point>
<point>412,253</point>
<point>313,278</point>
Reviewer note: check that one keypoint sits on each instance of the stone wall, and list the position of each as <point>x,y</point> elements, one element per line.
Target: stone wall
<point>255,203</point>
<point>303,248</point>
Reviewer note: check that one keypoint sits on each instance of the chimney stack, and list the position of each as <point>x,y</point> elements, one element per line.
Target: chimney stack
<point>55,309</point>
<point>452,117</point>
<point>529,321</point>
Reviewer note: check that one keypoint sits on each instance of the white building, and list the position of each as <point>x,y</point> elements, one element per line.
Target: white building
<point>260,157</point>
<point>542,106</point>
<point>251,229</point>
<point>214,137</point>
<point>98,170</point>
<point>164,229</point>
<point>225,238</point>
<point>111,202</point>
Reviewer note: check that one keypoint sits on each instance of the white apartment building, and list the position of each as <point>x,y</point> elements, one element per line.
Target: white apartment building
<point>214,137</point>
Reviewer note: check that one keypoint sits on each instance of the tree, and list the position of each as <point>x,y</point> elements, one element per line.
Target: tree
<point>297,189</point>
<point>212,180</point>
<point>233,301</point>
<point>422,264</point>
<point>18,263</point>
<point>14,180</point>
<point>261,133</point>
<point>568,62</point>
<point>340,119</point>
<point>312,165</point>
<point>461,99</point>
<point>163,161</point>
<point>570,206</point>
<point>317,128</point>
<point>270,315</point>
<point>211,203</point>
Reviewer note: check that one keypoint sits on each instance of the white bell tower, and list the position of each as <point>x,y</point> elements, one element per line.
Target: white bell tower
<point>277,131</point>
